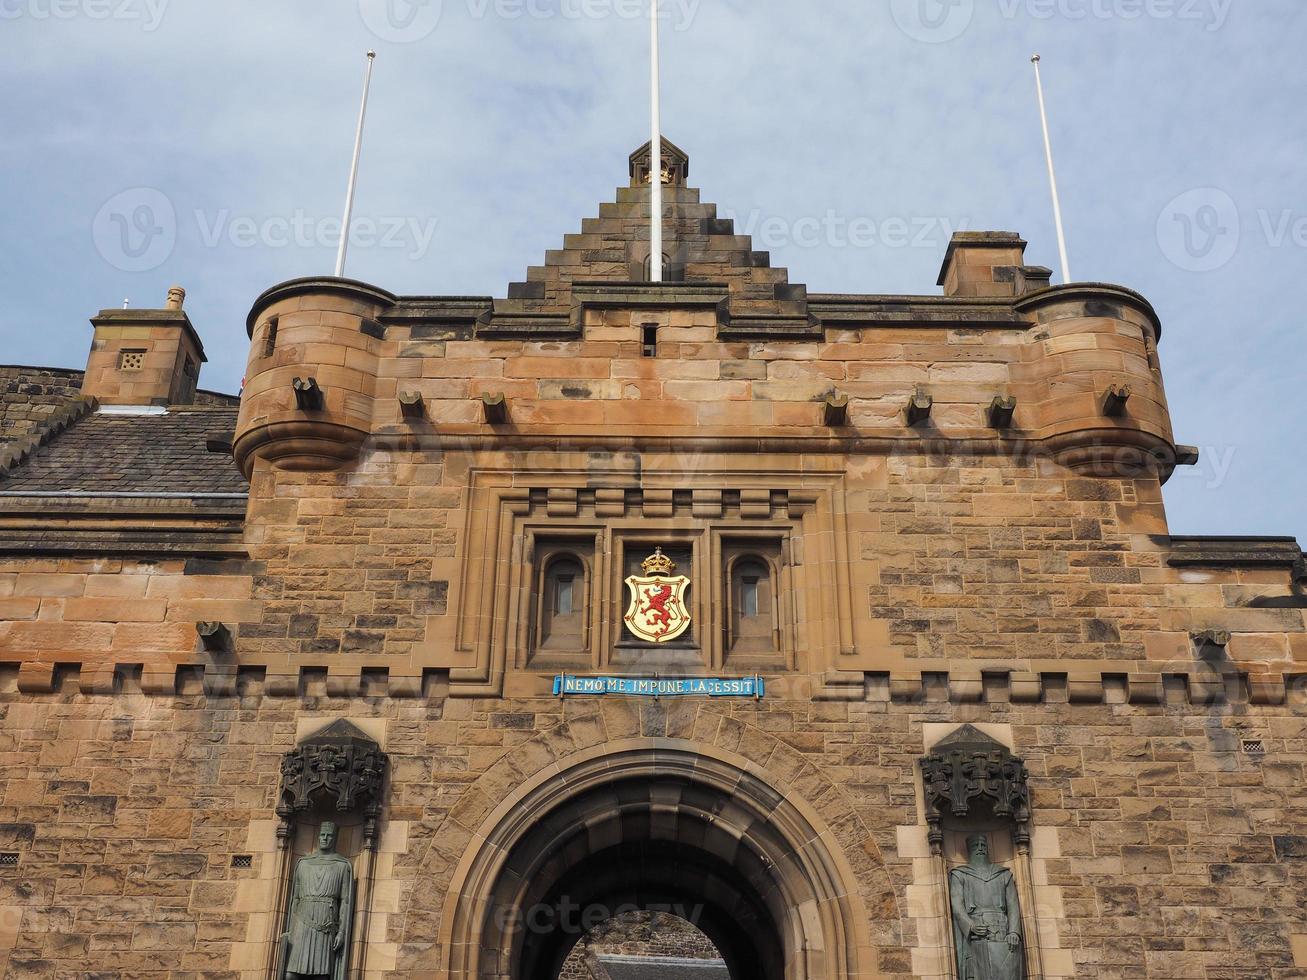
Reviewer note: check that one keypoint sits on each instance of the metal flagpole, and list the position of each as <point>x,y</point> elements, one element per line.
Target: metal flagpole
<point>354,169</point>
<point>656,160</point>
<point>1052,176</point>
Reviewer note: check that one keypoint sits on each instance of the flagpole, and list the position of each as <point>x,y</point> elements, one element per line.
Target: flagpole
<point>1052,175</point>
<point>656,159</point>
<point>354,169</point>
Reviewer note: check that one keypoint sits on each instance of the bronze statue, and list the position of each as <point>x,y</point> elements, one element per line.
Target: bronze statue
<point>315,945</point>
<point>986,917</point>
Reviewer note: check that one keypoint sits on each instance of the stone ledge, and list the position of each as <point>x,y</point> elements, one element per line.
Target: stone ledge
<point>901,687</point>
<point>1218,551</point>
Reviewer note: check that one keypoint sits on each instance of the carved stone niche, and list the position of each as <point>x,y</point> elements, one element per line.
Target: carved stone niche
<point>338,771</point>
<point>969,778</point>
<point>335,776</point>
<point>977,803</point>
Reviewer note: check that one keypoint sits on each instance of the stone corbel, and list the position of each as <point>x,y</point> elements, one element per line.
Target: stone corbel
<point>1001,411</point>
<point>1115,400</point>
<point>495,407</point>
<point>411,405</point>
<point>308,396</point>
<point>835,411</point>
<point>919,406</point>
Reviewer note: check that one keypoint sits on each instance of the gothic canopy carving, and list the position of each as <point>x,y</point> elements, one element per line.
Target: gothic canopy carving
<point>339,768</point>
<point>969,774</point>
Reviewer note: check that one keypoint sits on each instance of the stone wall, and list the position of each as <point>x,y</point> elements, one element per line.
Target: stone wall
<point>1161,849</point>
<point>644,934</point>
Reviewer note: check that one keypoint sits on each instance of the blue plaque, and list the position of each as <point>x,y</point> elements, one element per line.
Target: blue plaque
<point>659,687</point>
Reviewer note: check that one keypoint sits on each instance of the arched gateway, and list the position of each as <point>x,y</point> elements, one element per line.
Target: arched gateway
<point>655,827</point>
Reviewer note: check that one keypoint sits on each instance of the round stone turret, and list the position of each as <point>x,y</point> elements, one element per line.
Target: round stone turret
<point>311,378</point>
<point>1095,384</point>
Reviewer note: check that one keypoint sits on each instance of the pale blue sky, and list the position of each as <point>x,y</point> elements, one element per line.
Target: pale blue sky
<point>497,125</point>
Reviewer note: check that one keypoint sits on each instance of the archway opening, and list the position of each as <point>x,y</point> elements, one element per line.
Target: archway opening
<point>652,944</point>
<point>653,875</point>
<point>652,830</point>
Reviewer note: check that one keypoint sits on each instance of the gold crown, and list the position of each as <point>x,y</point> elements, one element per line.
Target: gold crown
<point>658,564</point>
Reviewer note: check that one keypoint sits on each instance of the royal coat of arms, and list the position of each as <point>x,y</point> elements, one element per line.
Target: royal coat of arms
<point>657,613</point>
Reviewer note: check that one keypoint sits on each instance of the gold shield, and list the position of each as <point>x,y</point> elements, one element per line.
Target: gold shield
<point>657,612</point>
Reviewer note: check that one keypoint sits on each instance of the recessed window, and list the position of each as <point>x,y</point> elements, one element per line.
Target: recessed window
<point>752,626</point>
<point>749,596</point>
<point>562,613</point>
<point>270,338</point>
<point>131,360</point>
<point>563,595</point>
<point>649,340</point>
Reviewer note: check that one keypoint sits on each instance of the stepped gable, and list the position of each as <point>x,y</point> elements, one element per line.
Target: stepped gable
<point>105,452</point>
<point>705,263</point>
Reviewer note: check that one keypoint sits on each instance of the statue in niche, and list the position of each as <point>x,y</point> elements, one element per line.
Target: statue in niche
<point>986,917</point>
<point>315,945</point>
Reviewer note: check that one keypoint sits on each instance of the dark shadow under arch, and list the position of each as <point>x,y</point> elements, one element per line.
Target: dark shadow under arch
<point>693,886</point>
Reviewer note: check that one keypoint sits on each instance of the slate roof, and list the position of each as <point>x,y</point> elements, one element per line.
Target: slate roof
<point>108,453</point>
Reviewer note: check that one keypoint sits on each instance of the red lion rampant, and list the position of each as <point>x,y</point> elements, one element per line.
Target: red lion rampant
<point>657,613</point>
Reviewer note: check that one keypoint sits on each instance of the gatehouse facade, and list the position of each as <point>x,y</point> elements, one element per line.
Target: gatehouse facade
<point>845,631</point>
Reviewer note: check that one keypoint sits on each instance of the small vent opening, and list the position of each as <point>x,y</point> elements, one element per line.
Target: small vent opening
<point>131,360</point>
<point>9,859</point>
<point>649,340</point>
<point>1254,746</point>
<point>242,860</point>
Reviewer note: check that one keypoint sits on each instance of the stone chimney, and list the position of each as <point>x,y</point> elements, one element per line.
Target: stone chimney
<point>144,357</point>
<point>989,263</point>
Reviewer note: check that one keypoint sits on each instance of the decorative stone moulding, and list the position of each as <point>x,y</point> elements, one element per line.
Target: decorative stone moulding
<point>312,374</point>
<point>969,774</point>
<point>338,769</point>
